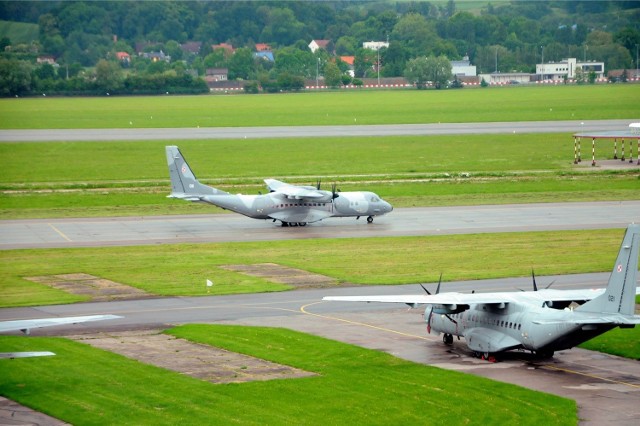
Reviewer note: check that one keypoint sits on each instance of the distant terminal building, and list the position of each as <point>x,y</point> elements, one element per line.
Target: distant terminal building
<point>375,45</point>
<point>568,68</point>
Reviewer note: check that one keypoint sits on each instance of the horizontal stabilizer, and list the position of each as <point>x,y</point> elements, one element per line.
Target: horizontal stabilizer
<point>12,355</point>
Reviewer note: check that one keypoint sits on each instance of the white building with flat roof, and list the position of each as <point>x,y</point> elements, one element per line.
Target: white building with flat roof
<point>463,68</point>
<point>375,45</point>
<point>567,68</point>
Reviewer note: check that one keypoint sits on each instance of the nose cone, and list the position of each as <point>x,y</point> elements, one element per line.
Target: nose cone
<point>388,208</point>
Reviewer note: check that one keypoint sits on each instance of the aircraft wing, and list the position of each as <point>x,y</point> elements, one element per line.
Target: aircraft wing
<point>293,191</point>
<point>26,325</point>
<point>309,216</point>
<point>534,297</point>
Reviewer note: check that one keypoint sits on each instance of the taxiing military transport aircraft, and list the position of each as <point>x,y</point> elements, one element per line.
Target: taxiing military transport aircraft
<point>26,325</point>
<point>290,204</point>
<point>541,321</point>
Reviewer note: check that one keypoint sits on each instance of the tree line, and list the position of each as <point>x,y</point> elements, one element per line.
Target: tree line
<point>504,37</point>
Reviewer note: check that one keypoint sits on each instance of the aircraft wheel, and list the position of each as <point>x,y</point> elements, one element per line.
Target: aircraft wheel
<point>285,224</point>
<point>544,354</point>
<point>447,339</point>
<point>302,223</point>
<point>370,219</point>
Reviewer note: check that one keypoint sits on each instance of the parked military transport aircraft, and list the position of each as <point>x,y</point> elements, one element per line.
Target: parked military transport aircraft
<point>26,325</point>
<point>290,204</point>
<point>541,321</point>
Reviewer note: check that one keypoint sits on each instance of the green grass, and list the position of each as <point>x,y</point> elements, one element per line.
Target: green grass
<point>334,108</point>
<point>621,342</point>
<point>83,385</point>
<point>18,32</point>
<point>152,201</point>
<point>78,162</point>
<point>182,269</point>
<point>131,178</point>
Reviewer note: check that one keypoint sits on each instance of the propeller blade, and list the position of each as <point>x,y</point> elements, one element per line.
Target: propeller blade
<point>550,284</point>
<point>423,287</point>
<point>533,276</point>
<point>334,194</point>
<point>439,282</point>
<point>318,184</point>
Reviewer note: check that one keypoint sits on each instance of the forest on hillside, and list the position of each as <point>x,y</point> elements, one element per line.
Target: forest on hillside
<point>84,37</point>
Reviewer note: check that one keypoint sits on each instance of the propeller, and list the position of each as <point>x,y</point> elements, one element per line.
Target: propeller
<point>318,184</point>
<point>334,192</point>
<point>437,288</point>
<point>535,286</point>
<point>431,311</point>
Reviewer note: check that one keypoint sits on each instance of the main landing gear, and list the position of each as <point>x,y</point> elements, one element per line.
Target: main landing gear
<point>294,224</point>
<point>447,339</point>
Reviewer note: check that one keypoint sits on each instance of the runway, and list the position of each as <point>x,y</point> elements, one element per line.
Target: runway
<point>126,231</point>
<point>137,134</point>
<point>606,388</point>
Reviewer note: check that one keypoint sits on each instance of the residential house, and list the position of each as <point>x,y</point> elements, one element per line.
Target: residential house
<point>349,60</point>
<point>226,46</point>
<point>191,47</point>
<point>156,56</point>
<point>320,44</point>
<point>123,57</point>
<point>265,55</point>
<point>216,74</point>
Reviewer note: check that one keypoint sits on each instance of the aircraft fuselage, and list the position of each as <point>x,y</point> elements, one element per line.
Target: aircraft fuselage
<point>488,329</point>
<point>348,204</point>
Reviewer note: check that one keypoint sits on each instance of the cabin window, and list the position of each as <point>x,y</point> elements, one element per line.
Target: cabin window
<point>519,326</point>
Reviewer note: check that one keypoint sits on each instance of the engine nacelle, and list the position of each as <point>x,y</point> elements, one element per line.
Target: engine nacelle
<point>449,309</point>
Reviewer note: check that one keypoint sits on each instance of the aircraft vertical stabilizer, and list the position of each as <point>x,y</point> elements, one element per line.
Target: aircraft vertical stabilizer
<point>183,181</point>
<point>619,296</point>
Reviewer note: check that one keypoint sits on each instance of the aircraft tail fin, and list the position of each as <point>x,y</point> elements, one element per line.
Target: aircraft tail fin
<point>619,296</point>
<point>184,183</point>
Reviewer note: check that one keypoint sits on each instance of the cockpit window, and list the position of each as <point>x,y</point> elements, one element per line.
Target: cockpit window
<point>374,199</point>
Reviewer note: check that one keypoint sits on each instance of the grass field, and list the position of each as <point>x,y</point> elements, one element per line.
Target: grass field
<point>401,260</point>
<point>334,108</point>
<point>83,385</point>
<point>79,179</point>
<point>19,32</point>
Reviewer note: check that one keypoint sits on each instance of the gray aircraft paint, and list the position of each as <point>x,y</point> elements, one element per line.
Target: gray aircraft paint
<point>542,321</point>
<point>289,204</point>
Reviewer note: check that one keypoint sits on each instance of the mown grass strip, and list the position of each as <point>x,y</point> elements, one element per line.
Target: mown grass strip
<point>588,102</point>
<point>149,201</point>
<point>113,178</point>
<point>182,271</point>
<point>84,385</point>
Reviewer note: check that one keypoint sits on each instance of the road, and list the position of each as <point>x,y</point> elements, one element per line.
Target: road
<point>121,231</point>
<point>136,134</point>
